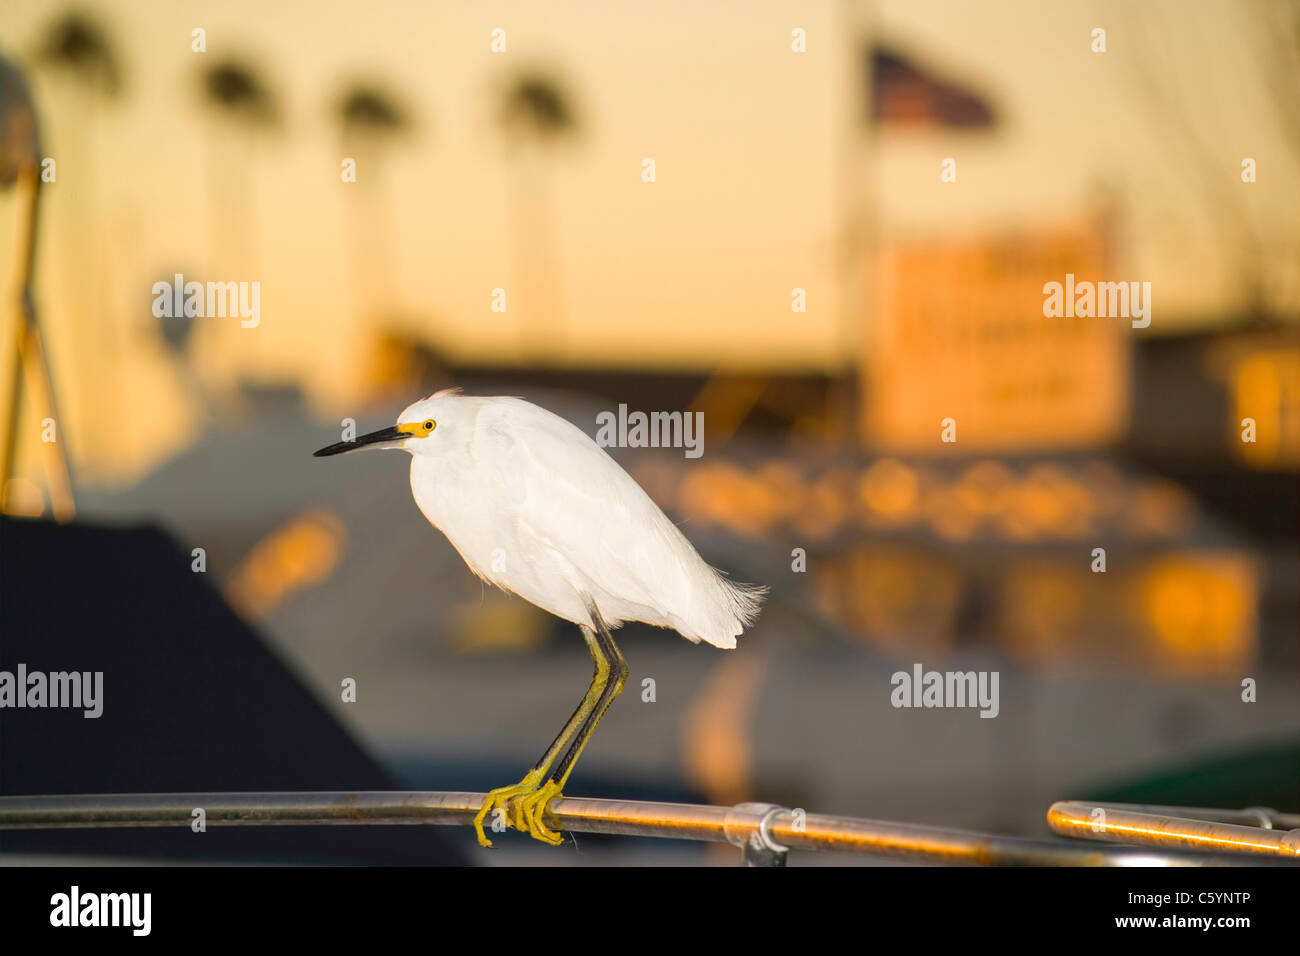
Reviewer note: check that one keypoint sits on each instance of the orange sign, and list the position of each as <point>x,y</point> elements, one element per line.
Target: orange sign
<point>958,333</point>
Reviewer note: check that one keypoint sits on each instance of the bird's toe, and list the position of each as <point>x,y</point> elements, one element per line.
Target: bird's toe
<point>534,807</point>
<point>505,800</point>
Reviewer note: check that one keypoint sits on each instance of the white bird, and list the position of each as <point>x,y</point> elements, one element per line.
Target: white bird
<point>536,507</point>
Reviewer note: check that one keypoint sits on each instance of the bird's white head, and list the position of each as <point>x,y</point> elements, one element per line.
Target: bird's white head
<point>416,431</point>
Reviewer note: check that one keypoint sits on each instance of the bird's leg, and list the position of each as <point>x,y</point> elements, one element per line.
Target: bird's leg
<point>579,717</point>
<point>534,804</point>
<point>502,797</point>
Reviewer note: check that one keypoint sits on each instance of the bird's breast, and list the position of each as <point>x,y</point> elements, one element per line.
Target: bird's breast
<point>464,508</point>
<point>482,525</point>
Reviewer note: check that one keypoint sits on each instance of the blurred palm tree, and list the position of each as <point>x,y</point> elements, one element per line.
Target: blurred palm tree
<point>235,90</point>
<point>243,111</point>
<point>371,121</point>
<point>535,110</point>
<point>367,112</point>
<point>79,56</point>
<point>77,45</point>
<point>535,117</point>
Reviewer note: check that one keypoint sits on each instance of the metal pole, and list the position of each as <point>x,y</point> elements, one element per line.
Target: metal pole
<point>20,156</point>
<point>764,830</point>
<point>1264,817</point>
<point>1224,831</point>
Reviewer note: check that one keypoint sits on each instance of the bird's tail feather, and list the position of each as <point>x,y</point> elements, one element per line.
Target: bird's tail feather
<point>740,606</point>
<point>745,600</point>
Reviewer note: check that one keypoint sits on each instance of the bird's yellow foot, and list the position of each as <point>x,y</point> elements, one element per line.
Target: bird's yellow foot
<point>533,807</point>
<point>502,799</point>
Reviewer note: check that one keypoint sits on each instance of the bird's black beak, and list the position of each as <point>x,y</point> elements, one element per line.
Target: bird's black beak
<point>384,438</point>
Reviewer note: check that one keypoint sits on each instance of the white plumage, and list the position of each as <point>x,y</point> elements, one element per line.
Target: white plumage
<point>537,508</point>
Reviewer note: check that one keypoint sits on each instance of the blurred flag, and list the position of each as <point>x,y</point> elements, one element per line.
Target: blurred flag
<point>904,94</point>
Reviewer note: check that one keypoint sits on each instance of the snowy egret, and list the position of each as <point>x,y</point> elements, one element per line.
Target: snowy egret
<point>537,508</point>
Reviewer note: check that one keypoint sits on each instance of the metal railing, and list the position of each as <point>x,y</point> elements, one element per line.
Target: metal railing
<point>1256,831</point>
<point>764,832</point>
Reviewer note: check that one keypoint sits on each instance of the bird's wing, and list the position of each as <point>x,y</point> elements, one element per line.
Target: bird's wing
<point>577,500</point>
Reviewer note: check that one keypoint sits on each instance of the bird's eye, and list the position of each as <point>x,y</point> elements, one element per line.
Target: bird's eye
<point>430,425</point>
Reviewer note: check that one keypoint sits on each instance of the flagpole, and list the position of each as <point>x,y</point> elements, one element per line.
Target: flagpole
<point>856,228</point>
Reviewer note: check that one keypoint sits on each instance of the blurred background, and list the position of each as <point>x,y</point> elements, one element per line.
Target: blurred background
<point>791,263</point>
